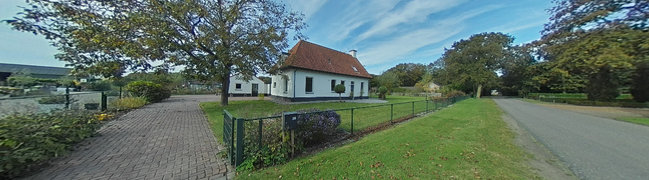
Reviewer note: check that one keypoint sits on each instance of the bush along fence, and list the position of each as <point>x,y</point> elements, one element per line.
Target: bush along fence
<point>266,141</point>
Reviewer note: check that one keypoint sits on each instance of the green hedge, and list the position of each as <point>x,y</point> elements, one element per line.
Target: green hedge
<point>151,91</point>
<point>27,141</point>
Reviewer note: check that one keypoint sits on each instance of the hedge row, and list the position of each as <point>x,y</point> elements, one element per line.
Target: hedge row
<point>29,140</point>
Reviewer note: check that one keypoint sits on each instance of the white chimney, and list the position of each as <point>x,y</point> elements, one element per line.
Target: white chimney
<point>353,53</point>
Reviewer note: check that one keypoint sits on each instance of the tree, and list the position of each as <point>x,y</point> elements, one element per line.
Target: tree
<point>596,42</point>
<point>339,88</point>
<point>213,40</point>
<point>640,88</point>
<point>515,70</point>
<point>573,15</point>
<point>265,79</point>
<point>389,80</point>
<point>604,58</point>
<point>408,74</point>
<point>471,64</point>
<point>382,92</point>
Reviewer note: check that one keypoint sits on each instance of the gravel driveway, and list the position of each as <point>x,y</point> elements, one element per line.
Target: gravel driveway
<point>592,147</point>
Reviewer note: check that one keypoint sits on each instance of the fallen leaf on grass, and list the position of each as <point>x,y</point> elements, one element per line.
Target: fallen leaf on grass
<point>376,165</point>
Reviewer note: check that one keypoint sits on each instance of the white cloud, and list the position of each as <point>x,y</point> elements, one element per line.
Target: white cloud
<point>411,41</point>
<point>413,12</point>
<point>357,13</point>
<point>307,7</point>
<point>403,45</point>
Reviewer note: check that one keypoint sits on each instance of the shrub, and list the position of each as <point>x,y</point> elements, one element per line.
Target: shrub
<point>28,140</point>
<point>454,93</point>
<point>129,103</point>
<point>98,86</point>
<point>275,147</point>
<point>261,96</point>
<point>340,88</point>
<point>52,100</point>
<point>151,91</point>
<point>315,128</point>
<point>382,92</point>
<point>312,129</point>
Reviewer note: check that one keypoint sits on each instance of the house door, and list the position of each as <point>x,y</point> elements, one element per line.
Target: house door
<point>255,89</point>
<point>352,89</point>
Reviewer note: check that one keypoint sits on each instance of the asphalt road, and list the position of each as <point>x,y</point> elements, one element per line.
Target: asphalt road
<point>592,147</point>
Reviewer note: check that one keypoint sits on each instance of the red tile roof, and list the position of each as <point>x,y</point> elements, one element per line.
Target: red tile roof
<point>306,55</point>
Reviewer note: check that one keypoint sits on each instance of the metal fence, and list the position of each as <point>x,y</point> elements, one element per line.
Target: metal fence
<point>47,103</point>
<point>352,120</point>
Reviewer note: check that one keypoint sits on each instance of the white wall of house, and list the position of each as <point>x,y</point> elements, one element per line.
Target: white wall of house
<point>246,86</point>
<point>282,84</point>
<point>321,84</point>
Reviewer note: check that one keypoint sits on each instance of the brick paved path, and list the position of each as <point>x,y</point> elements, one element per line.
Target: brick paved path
<point>167,140</point>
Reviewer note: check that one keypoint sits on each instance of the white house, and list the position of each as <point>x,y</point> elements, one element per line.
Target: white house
<point>311,71</point>
<point>241,87</point>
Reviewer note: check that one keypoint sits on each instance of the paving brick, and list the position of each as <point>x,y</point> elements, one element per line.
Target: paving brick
<point>167,140</point>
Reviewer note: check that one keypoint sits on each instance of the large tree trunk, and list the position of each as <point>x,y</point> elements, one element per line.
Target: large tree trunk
<point>479,92</point>
<point>225,87</point>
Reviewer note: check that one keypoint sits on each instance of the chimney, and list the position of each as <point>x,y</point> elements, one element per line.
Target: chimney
<point>353,53</point>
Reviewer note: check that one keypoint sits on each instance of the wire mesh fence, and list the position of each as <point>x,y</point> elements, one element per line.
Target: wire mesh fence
<point>249,136</point>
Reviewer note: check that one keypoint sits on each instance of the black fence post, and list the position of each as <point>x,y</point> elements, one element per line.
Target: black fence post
<point>240,133</point>
<point>67,97</point>
<point>104,101</point>
<point>261,124</point>
<point>231,155</point>
<point>352,129</point>
<point>391,112</point>
<point>413,108</point>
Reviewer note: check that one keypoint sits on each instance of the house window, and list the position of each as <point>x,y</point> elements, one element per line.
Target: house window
<point>343,83</point>
<point>333,84</point>
<point>285,85</point>
<point>238,86</point>
<point>274,84</point>
<point>309,85</point>
<point>362,86</point>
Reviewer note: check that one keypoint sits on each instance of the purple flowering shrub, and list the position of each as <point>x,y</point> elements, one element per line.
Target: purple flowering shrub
<point>315,127</point>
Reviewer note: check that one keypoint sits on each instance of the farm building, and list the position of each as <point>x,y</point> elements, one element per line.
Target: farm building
<point>44,72</point>
<point>240,87</point>
<point>311,71</point>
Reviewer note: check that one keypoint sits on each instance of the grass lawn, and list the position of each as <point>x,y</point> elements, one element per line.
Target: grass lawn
<point>637,120</point>
<point>363,118</point>
<point>466,141</point>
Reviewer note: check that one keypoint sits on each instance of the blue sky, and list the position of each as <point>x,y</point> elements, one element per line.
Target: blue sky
<point>385,32</point>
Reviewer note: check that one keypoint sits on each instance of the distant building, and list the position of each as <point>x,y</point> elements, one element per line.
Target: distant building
<point>311,71</point>
<point>252,87</point>
<point>44,72</point>
<point>433,87</point>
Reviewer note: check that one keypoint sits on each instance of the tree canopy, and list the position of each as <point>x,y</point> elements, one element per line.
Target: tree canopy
<point>211,40</point>
<point>471,64</point>
<point>408,73</point>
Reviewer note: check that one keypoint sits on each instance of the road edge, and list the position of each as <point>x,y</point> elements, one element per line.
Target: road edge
<point>545,163</point>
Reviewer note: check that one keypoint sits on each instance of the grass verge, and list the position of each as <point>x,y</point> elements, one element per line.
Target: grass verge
<point>468,140</point>
<point>363,118</point>
<point>636,120</point>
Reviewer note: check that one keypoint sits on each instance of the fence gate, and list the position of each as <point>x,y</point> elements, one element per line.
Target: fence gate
<point>228,134</point>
